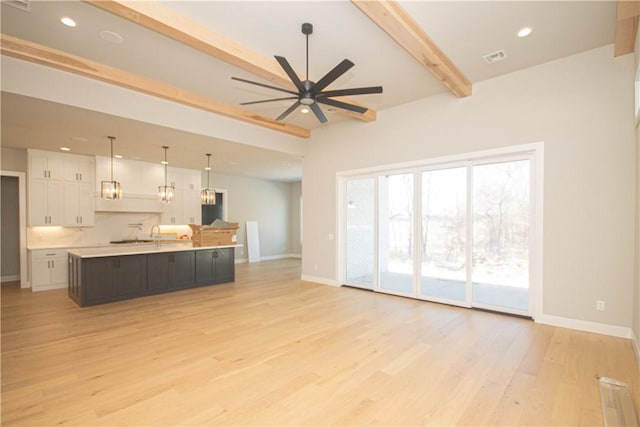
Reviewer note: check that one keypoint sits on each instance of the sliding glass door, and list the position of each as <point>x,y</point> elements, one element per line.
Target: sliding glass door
<point>443,240</point>
<point>457,233</point>
<point>396,233</point>
<point>360,237</point>
<point>501,217</point>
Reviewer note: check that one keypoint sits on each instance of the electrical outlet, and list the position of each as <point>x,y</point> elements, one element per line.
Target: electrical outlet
<point>600,306</point>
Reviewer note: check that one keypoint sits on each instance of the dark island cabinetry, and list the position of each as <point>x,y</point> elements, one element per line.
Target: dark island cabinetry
<point>102,279</point>
<point>171,271</point>
<point>214,266</point>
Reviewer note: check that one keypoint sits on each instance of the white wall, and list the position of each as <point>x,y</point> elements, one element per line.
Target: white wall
<point>636,298</point>
<point>267,202</point>
<point>581,107</point>
<point>295,245</point>
<point>12,159</point>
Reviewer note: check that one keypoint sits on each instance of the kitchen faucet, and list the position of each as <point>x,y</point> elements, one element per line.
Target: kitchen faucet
<point>157,235</point>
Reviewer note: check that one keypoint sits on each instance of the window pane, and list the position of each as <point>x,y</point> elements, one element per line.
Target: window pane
<point>501,214</point>
<point>396,232</point>
<point>443,244</point>
<point>360,232</point>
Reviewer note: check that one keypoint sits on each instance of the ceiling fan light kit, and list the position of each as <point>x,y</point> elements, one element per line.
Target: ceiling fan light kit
<point>311,93</point>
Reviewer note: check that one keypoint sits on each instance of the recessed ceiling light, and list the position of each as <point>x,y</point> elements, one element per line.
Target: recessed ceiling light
<point>304,110</point>
<point>65,148</point>
<point>68,22</point>
<point>111,37</point>
<point>117,156</point>
<point>524,32</point>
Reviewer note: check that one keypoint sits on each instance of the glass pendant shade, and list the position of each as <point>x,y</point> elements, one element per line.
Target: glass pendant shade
<point>111,190</point>
<point>208,195</point>
<point>166,192</point>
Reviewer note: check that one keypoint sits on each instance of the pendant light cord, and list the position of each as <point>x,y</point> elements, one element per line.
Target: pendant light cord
<point>165,165</point>
<point>111,138</point>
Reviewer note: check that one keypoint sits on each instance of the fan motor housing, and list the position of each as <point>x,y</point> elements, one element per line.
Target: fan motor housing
<point>307,28</point>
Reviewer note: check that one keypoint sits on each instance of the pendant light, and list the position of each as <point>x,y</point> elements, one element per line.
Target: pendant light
<point>111,190</point>
<point>165,192</point>
<point>208,194</point>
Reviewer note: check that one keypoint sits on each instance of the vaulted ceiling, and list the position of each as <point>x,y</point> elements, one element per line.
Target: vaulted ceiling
<point>187,52</point>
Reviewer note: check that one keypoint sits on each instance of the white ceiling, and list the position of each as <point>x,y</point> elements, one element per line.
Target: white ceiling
<point>463,30</point>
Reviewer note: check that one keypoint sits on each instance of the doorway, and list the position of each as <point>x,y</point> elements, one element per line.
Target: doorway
<point>218,211</point>
<point>13,227</point>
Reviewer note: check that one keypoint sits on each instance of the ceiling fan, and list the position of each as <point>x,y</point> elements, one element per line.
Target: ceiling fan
<point>311,93</point>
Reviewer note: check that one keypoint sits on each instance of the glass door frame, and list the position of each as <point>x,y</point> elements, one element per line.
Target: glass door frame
<point>534,152</point>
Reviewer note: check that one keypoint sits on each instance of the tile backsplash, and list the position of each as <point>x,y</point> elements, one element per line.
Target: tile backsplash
<point>109,226</point>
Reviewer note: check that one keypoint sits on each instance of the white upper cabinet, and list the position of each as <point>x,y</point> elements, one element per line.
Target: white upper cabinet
<point>60,189</point>
<point>45,165</point>
<point>78,169</point>
<point>186,207</point>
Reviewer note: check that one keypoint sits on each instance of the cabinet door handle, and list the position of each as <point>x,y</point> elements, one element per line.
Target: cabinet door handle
<point>80,219</point>
<point>53,264</point>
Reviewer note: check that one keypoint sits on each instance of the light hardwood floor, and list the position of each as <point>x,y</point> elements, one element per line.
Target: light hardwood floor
<point>271,349</point>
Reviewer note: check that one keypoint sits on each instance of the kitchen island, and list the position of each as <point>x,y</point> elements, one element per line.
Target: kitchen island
<point>108,274</point>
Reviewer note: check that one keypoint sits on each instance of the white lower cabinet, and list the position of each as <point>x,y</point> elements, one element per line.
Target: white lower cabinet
<point>48,269</point>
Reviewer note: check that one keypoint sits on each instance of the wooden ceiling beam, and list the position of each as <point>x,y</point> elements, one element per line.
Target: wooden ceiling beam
<point>165,21</point>
<point>27,51</point>
<point>626,26</point>
<point>401,27</point>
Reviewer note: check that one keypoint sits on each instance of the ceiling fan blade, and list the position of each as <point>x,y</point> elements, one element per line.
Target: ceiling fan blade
<point>318,112</point>
<point>292,74</point>
<point>349,92</point>
<point>288,110</point>
<point>343,105</point>
<point>264,85</point>
<point>328,78</point>
<point>268,100</point>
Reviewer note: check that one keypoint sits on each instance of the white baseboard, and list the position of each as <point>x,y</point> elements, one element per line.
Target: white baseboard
<point>13,278</point>
<point>320,280</point>
<point>269,258</point>
<point>272,257</point>
<point>585,325</point>
<point>636,346</point>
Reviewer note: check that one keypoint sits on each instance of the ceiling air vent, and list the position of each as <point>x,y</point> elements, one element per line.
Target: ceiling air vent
<point>495,56</point>
<point>24,5</point>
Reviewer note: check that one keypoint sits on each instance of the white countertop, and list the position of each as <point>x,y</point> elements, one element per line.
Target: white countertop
<point>104,245</point>
<point>139,249</point>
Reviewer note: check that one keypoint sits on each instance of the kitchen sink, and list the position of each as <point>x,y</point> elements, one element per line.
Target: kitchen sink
<point>132,241</point>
